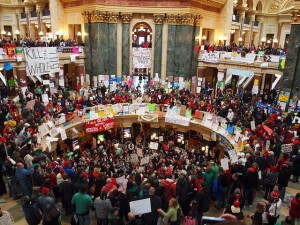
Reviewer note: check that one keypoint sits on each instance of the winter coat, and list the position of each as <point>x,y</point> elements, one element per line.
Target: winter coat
<point>169,188</point>
<point>32,214</point>
<point>296,165</point>
<point>24,178</point>
<point>284,177</point>
<point>182,190</point>
<point>271,178</point>
<point>102,207</point>
<point>251,179</point>
<point>295,208</point>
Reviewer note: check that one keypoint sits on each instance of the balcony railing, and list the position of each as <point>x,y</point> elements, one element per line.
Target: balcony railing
<point>256,23</point>
<point>246,21</point>
<point>23,15</point>
<point>46,12</point>
<point>235,18</point>
<point>33,14</point>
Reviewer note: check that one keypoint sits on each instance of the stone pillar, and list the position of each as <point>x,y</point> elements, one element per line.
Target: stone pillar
<point>164,52</point>
<point>278,35</point>
<point>196,42</point>
<point>28,9</point>
<point>252,19</point>
<point>241,11</point>
<point>291,72</point>
<point>119,49</point>
<point>263,81</point>
<point>260,19</point>
<point>88,46</point>
<point>39,10</point>
<point>158,20</point>
<point>125,19</point>
<point>181,38</point>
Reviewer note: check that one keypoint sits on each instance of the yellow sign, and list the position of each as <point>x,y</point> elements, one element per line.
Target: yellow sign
<point>283,98</point>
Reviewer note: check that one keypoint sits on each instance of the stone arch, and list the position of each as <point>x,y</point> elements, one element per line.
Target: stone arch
<point>250,4</point>
<point>259,7</point>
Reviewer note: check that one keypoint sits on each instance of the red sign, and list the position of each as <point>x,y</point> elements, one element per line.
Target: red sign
<point>98,125</point>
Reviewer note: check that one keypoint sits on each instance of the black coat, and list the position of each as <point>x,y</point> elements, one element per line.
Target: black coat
<point>284,177</point>
<point>296,165</point>
<point>156,203</point>
<point>32,214</point>
<point>66,189</point>
<point>251,179</point>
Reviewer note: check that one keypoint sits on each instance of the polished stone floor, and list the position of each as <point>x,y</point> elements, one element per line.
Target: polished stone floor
<point>14,207</point>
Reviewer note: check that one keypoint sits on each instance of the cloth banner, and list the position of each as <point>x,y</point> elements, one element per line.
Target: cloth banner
<point>99,125</point>
<point>241,73</point>
<point>226,143</point>
<point>249,58</point>
<point>41,61</point>
<point>141,58</point>
<point>272,58</point>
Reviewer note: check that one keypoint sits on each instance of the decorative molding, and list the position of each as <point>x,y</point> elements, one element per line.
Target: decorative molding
<point>125,17</point>
<point>97,16</point>
<point>197,20</point>
<point>295,16</point>
<point>86,16</point>
<point>182,19</point>
<point>159,18</point>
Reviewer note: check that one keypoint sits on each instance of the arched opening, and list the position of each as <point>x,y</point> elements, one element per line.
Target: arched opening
<point>250,4</point>
<point>259,6</point>
<point>141,46</point>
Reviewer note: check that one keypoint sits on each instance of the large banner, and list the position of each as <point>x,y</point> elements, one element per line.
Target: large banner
<point>210,57</point>
<point>249,58</point>
<point>41,61</point>
<point>99,125</point>
<point>141,58</point>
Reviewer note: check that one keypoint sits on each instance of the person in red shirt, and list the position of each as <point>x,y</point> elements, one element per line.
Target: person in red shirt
<point>51,176</point>
<point>294,212</point>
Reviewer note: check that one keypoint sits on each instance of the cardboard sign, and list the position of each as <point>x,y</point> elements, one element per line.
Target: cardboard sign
<point>286,148</point>
<point>140,206</point>
<point>153,145</point>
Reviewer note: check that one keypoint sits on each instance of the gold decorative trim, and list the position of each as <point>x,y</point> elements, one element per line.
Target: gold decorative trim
<point>183,19</point>
<point>159,18</point>
<point>295,16</point>
<point>125,17</point>
<point>86,16</point>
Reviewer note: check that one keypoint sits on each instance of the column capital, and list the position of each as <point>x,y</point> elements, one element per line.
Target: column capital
<point>86,16</point>
<point>97,16</point>
<point>260,19</point>
<point>126,17</point>
<point>40,6</point>
<point>242,10</point>
<point>183,19</point>
<point>296,15</point>
<point>159,18</point>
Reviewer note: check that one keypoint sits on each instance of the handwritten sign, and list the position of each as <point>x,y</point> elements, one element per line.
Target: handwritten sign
<point>41,61</point>
<point>153,145</point>
<point>99,125</point>
<point>211,57</point>
<point>141,57</point>
<point>140,206</point>
<point>287,148</point>
<point>224,164</point>
<point>134,158</point>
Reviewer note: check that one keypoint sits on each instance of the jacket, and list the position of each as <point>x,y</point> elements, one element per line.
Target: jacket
<point>156,203</point>
<point>271,178</point>
<point>251,179</point>
<point>102,208</point>
<point>284,177</point>
<point>183,188</point>
<point>32,214</point>
<point>109,188</point>
<point>169,188</point>
<point>295,208</point>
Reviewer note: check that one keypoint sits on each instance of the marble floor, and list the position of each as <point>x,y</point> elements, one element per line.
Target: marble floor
<point>15,207</point>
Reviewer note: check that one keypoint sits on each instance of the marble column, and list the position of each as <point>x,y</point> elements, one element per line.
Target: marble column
<point>112,49</point>
<point>158,19</point>
<point>195,54</point>
<point>172,69</point>
<point>164,74</point>
<point>291,72</point>
<point>88,50</point>
<point>260,19</point>
<point>252,19</point>
<point>126,18</point>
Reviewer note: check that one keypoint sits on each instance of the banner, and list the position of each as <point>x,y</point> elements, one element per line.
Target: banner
<point>249,58</point>
<point>210,57</point>
<point>226,143</point>
<point>141,58</point>
<point>270,109</point>
<point>272,58</point>
<point>41,61</point>
<point>99,125</point>
<point>281,64</point>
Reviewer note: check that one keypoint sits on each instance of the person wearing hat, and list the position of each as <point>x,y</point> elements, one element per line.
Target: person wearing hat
<point>66,191</point>
<point>270,181</point>
<point>294,211</point>
<point>251,182</point>
<point>45,199</point>
<point>283,178</point>
<point>274,205</point>
<point>235,210</point>
<point>296,167</point>
<point>31,212</point>
<point>257,216</point>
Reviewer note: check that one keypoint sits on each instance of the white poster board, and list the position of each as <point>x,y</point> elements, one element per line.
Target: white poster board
<point>286,148</point>
<point>224,164</point>
<point>141,57</point>
<point>153,145</point>
<point>140,206</point>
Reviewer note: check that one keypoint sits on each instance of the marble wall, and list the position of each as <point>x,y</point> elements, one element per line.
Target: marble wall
<point>103,45</point>
<point>125,48</point>
<point>180,50</point>
<point>88,50</point>
<point>158,49</point>
<point>291,74</point>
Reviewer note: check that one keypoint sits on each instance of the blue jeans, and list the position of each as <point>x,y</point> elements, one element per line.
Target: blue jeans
<point>84,220</point>
<point>282,192</point>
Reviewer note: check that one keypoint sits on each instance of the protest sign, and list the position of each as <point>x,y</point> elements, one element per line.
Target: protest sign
<point>140,206</point>
<point>41,61</point>
<point>30,104</point>
<point>120,180</point>
<point>134,158</point>
<point>153,145</point>
<point>98,125</point>
<point>141,57</point>
<point>210,57</point>
<point>252,123</point>
<point>145,160</point>
<point>226,143</point>
<point>224,163</point>
<point>286,148</point>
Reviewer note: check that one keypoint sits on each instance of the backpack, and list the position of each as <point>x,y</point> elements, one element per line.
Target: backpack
<point>180,215</point>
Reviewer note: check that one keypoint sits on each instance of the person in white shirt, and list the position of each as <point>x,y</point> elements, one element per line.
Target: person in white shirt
<point>230,115</point>
<point>274,207</point>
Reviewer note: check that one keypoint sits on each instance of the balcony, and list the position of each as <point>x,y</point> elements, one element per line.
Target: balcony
<point>33,14</point>
<point>246,21</point>
<point>256,23</point>
<point>23,15</point>
<point>235,18</point>
<point>46,12</point>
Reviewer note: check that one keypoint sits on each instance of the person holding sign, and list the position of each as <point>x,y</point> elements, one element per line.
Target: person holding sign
<point>172,212</point>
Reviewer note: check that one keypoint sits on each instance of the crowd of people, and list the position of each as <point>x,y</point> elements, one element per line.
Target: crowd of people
<point>181,182</point>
